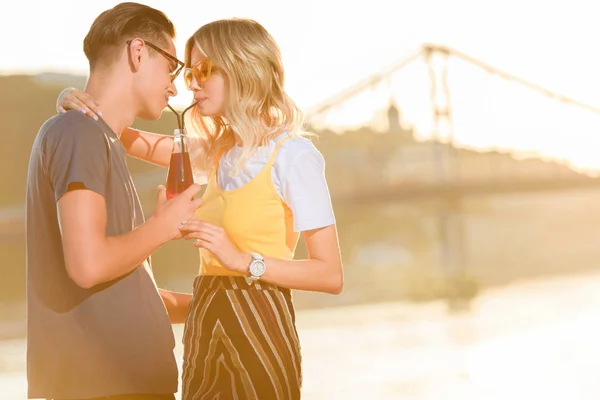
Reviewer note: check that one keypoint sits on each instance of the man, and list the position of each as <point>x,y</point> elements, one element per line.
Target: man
<point>96,324</point>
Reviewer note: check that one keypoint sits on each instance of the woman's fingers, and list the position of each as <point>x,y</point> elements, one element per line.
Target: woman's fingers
<point>196,225</point>
<point>88,101</point>
<point>202,243</point>
<point>75,104</point>
<point>205,236</point>
<point>81,102</point>
<point>190,226</point>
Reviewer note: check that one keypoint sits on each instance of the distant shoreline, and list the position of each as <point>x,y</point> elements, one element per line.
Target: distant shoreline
<point>13,321</point>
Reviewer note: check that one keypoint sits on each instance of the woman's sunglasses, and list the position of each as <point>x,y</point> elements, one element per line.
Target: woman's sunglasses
<point>200,72</point>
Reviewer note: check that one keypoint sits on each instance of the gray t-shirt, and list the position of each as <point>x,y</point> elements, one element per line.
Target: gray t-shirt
<point>114,338</point>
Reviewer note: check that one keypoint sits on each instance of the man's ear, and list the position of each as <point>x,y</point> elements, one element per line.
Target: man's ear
<point>135,53</point>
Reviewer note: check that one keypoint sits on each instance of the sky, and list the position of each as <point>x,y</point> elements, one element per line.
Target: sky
<point>329,45</point>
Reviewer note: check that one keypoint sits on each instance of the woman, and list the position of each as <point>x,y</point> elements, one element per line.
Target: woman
<point>265,186</point>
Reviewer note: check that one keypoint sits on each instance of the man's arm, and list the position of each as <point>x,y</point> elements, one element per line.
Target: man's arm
<point>91,257</point>
<point>177,305</point>
<point>77,165</point>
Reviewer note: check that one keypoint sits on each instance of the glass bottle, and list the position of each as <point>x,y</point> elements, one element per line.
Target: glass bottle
<point>180,175</point>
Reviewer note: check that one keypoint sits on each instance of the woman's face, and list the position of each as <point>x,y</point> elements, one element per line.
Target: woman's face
<point>209,95</point>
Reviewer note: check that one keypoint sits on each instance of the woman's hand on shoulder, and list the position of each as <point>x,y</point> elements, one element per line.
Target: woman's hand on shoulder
<point>75,99</point>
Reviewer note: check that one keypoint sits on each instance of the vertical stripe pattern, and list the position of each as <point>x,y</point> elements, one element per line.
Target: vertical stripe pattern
<point>240,342</point>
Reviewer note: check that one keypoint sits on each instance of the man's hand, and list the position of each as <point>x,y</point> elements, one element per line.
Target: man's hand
<point>171,214</point>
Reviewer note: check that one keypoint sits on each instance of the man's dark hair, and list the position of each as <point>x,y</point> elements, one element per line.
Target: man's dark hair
<point>125,21</point>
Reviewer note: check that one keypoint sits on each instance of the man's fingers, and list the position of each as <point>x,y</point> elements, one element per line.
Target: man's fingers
<point>161,195</point>
<point>196,203</point>
<point>190,226</point>
<point>190,192</point>
<point>193,219</point>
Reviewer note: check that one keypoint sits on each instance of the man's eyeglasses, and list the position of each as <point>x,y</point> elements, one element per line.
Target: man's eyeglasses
<point>201,72</point>
<point>179,64</point>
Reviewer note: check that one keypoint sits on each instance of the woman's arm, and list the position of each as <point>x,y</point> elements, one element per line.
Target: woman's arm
<point>151,147</point>
<point>148,146</point>
<point>321,272</point>
<point>177,305</point>
<point>299,172</point>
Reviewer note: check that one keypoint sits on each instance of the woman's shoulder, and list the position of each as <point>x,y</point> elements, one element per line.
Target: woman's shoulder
<point>297,153</point>
<point>295,144</point>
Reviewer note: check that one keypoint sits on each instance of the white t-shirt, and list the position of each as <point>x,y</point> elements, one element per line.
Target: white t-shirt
<point>298,176</point>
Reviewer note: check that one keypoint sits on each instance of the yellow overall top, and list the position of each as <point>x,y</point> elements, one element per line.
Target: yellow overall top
<point>254,217</point>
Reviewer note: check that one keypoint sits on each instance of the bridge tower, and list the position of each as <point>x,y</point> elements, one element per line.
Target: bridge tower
<point>450,225</point>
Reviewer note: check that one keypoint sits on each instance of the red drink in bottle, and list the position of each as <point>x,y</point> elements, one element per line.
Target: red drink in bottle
<point>180,175</point>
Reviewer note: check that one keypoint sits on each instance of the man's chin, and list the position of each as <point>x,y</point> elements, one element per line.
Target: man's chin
<point>151,115</point>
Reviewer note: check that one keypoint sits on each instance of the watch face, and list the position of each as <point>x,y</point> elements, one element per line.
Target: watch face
<point>257,268</point>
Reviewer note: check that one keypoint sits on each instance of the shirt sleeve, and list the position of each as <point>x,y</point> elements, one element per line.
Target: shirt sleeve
<point>77,158</point>
<point>304,189</point>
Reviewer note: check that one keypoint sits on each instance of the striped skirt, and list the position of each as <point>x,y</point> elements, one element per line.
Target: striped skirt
<point>240,342</point>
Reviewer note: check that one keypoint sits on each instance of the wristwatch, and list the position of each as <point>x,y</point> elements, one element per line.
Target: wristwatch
<point>257,268</point>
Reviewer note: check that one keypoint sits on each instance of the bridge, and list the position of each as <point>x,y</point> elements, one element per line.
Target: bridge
<point>453,170</point>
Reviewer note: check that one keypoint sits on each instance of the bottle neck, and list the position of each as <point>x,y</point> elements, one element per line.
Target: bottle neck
<point>179,143</point>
